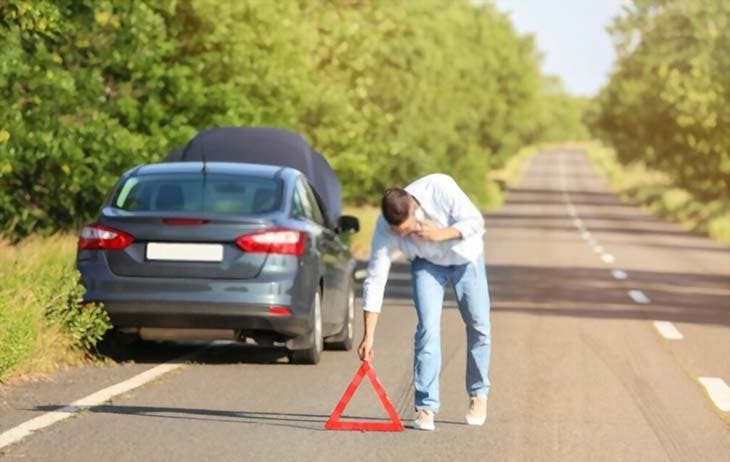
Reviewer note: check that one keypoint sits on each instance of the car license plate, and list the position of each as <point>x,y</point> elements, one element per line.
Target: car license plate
<point>184,252</point>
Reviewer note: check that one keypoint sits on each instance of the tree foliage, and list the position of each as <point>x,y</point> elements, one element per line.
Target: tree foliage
<point>667,103</point>
<point>387,90</point>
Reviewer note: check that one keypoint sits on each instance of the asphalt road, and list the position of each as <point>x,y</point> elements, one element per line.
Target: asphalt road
<point>579,370</point>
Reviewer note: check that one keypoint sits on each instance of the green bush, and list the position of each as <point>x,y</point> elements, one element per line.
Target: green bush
<point>85,324</point>
<point>83,91</point>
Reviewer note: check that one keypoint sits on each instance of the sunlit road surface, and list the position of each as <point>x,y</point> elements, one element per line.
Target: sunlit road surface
<point>611,341</point>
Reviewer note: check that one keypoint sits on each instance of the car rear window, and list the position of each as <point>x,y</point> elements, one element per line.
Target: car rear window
<point>217,193</point>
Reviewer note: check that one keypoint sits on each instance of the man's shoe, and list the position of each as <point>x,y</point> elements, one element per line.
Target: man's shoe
<point>424,420</point>
<point>477,412</point>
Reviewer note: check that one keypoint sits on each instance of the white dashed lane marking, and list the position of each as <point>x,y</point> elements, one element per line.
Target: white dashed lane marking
<point>608,258</point>
<point>718,390</point>
<point>668,330</point>
<point>361,274</point>
<point>619,274</point>
<point>639,297</point>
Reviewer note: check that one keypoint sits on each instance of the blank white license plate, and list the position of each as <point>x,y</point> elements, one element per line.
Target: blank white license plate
<point>184,252</point>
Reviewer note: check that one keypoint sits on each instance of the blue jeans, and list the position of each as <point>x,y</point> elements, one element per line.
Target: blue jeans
<point>470,284</point>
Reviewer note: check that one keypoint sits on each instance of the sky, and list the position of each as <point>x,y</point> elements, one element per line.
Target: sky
<point>572,36</point>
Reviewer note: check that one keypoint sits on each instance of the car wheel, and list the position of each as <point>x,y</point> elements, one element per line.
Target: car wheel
<point>343,340</point>
<point>312,354</point>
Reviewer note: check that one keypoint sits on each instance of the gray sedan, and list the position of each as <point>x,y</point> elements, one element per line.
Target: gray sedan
<point>191,250</point>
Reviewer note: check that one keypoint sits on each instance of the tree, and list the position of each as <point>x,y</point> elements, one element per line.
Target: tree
<point>669,96</point>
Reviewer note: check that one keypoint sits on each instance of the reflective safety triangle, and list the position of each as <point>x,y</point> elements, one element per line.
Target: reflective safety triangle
<point>334,423</point>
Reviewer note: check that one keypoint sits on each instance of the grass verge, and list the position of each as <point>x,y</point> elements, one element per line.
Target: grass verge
<point>500,180</point>
<point>42,324</point>
<point>655,192</point>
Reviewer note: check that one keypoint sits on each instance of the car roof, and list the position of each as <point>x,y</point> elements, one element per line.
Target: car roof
<point>263,170</point>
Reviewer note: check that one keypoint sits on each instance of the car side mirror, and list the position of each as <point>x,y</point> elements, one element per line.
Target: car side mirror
<point>348,224</point>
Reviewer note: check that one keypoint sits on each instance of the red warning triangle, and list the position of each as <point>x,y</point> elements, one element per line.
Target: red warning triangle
<point>334,422</point>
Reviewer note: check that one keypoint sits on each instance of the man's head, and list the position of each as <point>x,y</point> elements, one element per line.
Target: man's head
<point>398,209</point>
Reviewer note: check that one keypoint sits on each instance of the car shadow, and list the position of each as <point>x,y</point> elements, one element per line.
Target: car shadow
<point>153,352</point>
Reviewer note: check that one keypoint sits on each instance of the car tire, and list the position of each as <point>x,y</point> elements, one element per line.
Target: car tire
<point>312,354</point>
<point>344,339</point>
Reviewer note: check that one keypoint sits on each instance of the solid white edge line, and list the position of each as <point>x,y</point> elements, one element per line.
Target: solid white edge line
<point>718,390</point>
<point>668,330</point>
<point>19,432</point>
<point>639,296</point>
<point>619,274</point>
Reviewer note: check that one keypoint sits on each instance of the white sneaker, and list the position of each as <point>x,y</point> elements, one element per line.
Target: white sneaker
<point>424,420</point>
<point>477,412</point>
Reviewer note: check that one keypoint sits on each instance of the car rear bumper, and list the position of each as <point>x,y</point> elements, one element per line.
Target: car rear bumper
<point>182,315</point>
<point>177,303</point>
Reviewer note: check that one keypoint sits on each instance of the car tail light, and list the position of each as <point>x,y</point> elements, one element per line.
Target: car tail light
<point>99,237</point>
<point>280,310</point>
<point>277,240</point>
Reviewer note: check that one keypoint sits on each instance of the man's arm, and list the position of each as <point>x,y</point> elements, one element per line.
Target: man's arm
<point>374,286</point>
<point>468,220</point>
<point>365,350</point>
<point>439,234</point>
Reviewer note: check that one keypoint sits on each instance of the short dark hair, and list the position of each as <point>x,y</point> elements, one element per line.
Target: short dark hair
<point>396,205</point>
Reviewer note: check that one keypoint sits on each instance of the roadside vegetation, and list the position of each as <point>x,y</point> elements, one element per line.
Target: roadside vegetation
<point>386,90</point>
<point>42,324</point>
<point>666,109</point>
<point>657,193</point>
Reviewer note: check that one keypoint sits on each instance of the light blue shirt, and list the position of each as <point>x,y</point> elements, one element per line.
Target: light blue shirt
<point>445,205</point>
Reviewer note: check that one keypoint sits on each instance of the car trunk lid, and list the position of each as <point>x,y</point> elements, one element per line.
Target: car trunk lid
<point>187,247</point>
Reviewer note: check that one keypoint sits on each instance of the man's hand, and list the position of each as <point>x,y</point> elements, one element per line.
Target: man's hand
<point>429,232</point>
<point>365,350</point>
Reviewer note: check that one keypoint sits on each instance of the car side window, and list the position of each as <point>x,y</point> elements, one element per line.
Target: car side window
<point>305,204</point>
<point>316,215</point>
<point>297,208</point>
